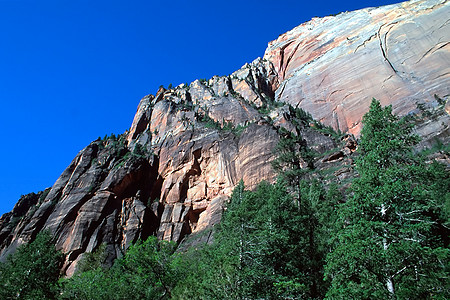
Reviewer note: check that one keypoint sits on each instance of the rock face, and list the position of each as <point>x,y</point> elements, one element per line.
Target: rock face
<point>187,147</point>
<point>333,66</point>
<point>169,175</point>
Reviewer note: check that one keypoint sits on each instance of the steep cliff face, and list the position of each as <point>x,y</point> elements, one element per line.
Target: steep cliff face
<point>333,66</point>
<point>187,147</point>
<point>170,174</point>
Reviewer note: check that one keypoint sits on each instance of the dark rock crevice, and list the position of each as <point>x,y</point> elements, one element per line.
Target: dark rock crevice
<point>114,193</point>
<point>383,50</point>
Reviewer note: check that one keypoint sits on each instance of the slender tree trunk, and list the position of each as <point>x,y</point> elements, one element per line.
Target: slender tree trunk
<point>312,259</point>
<point>390,286</point>
<point>389,281</point>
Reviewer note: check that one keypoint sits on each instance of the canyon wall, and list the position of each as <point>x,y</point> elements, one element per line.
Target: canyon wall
<point>333,66</point>
<point>170,174</point>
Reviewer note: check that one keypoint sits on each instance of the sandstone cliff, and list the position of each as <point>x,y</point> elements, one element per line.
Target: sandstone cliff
<point>169,175</point>
<point>333,66</point>
<point>187,147</point>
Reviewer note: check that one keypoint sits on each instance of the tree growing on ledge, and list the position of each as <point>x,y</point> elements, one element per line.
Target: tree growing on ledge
<point>390,237</point>
<point>294,160</point>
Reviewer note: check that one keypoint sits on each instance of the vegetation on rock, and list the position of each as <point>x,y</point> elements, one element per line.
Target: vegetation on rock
<point>299,238</point>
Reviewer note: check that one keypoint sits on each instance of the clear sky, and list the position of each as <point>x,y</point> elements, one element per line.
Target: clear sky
<point>71,71</point>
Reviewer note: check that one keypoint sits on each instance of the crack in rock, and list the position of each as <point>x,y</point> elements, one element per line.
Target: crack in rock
<point>432,50</point>
<point>384,48</point>
<point>366,41</point>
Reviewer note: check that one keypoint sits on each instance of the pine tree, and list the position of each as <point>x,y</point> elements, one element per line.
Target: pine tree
<point>294,160</point>
<point>386,243</point>
<point>294,164</point>
<point>260,251</point>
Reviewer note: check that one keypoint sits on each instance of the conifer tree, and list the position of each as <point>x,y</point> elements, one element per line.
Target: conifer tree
<point>386,242</point>
<point>260,251</point>
<point>294,163</point>
<point>294,159</point>
<point>32,271</point>
<point>147,271</point>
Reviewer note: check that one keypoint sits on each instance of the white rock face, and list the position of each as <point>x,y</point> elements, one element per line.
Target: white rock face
<point>332,67</point>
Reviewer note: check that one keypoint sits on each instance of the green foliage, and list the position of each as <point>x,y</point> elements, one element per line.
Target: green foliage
<point>203,81</point>
<point>316,207</point>
<point>295,239</point>
<point>187,105</point>
<point>139,152</point>
<point>204,117</point>
<point>327,130</point>
<point>304,119</point>
<point>261,230</point>
<point>111,137</point>
<point>385,139</point>
<point>268,106</point>
<point>294,159</point>
<point>300,116</point>
<point>390,235</point>
<point>123,160</point>
<point>94,260</point>
<point>147,271</point>
<point>237,130</point>
<point>32,271</point>
<point>264,248</point>
<point>227,126</point>
<point>210,122</point>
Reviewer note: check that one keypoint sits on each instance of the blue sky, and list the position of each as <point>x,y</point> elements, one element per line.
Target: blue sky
<point>71,71</point>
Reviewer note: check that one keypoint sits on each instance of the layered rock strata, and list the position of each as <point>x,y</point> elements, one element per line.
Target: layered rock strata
<point>170,174</point>
<point>187,147</point>
<point>333,66</point>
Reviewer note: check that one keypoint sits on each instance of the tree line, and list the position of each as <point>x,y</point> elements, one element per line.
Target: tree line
<point>294,239</point>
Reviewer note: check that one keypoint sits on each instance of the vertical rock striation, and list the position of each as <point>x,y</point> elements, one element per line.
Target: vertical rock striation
<point>187,147</point>
<point>168,176</point>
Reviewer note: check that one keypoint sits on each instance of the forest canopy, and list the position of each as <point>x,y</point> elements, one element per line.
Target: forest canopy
<point>386,237</point>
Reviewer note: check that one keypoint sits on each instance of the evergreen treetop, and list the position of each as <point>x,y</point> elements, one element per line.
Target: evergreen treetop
<point>387,240</point>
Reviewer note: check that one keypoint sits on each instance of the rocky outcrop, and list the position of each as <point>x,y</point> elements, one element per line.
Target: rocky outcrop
<point>12,223</point>
<point>188,146</point>
<point>171,174</point>
<point>333,66</point>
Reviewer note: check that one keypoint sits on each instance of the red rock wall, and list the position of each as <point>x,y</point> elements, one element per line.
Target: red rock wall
<point>171,173</point>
